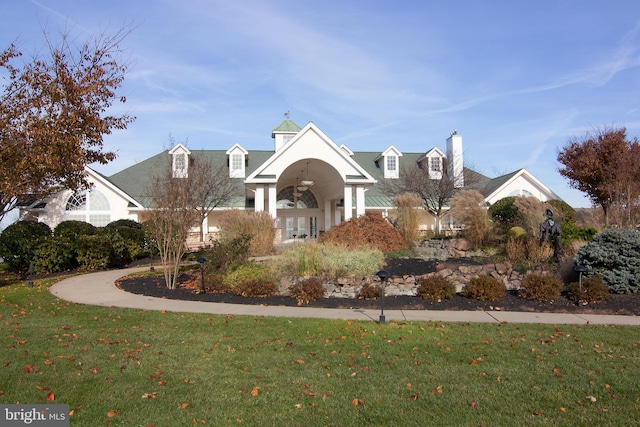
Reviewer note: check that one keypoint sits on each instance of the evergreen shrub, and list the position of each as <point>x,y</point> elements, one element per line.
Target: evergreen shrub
<point>19,240</point>
<point>130,236</point>
<point>540,287</point>
<point>484,288</point>
<point>615,255</point>
<point>53,255</point>
<point>95,252</point>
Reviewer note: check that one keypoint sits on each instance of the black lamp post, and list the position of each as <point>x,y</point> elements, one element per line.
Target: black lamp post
<point>383,275</point>
<point>201,261</point>
<point>31,256</point>
<point>580,269</point>
<point>150,248</point>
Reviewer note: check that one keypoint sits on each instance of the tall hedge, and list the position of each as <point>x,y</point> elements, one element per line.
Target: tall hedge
<point>615,255</point>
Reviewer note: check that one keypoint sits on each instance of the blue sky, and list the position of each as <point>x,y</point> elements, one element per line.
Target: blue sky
<point>516,79</point>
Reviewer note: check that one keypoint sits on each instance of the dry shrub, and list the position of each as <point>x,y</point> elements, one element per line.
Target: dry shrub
<point>307,290</point>
<point>368,230</point>
<point>484,288</point>
<point>569,251</point>
<point>256,288</point>
<point>593,290</point>
<point>468,208</point>
<point>531,213</point>
<point>435,288</point>
<point>537,252</point>
<point>259,225</point>
<point>369,291</point>
<point>540,287</point>
<point>515,249</point>
<point>408,220</point>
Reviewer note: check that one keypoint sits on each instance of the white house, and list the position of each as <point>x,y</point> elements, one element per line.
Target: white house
<point>307,182</point>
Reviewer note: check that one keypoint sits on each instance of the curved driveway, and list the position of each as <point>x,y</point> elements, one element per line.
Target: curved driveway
<point>99,289</point>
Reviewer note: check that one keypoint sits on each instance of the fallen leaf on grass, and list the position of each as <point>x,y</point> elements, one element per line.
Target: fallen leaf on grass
<point>149,395</point>
<point>437,390</point>
<point>357,402</point>
<point>256,391</point>
<point>51,397</point>
<point>184,405</point>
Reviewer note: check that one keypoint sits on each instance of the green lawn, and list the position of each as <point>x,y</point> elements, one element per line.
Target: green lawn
<point>140,368</point>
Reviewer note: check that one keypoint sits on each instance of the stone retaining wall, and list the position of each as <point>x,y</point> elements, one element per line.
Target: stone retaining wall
<point>459,275</point>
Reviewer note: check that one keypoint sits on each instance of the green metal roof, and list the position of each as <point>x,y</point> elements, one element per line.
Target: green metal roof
<point>136,178</point>
<point>287,126</point>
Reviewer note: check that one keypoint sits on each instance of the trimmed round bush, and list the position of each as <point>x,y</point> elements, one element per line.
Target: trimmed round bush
<point>19,240</point>
<point>484,288</point>
<point>516,233</point>
<point>593,290</point>
<point>73,229</point>
<point>540,287</point>
<point>435,288</point>
<point>307,290</point>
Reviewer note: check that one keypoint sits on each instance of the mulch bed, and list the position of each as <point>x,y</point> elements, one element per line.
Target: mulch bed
<point>616,304</point>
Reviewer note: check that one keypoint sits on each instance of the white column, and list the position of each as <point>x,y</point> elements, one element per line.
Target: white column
<point>359,200</point>
<point>273,210</point>
<point>205,228</point>
<point>348,204</point>
<point>259,201</point>
<point>327,214</point>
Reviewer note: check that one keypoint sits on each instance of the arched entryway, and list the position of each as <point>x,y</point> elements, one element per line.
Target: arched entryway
<point>298,212</point>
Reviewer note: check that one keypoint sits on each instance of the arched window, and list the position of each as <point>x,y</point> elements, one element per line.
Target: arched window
<point>521,192</point>
<point>291,198</point>
<point>89,206</point>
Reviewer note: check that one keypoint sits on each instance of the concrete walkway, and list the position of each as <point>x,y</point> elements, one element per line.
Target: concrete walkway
<point>99,289</point>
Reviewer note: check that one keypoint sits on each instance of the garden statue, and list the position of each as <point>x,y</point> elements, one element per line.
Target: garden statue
<point>550,232</point>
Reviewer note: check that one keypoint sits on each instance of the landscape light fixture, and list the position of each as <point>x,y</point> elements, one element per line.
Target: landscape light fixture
<point>201,261</point>
<point>31,256</point>
<point>580,269</point>
<point>383,275</point>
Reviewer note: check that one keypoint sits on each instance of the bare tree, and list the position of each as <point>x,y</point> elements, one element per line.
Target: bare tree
<point>211,187</point>
<point>177,203</point>
<point>54,111</point>
<point>435,193</point>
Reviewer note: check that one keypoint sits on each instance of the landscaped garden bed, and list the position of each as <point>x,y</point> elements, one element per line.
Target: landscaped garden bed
<point>189,289</point>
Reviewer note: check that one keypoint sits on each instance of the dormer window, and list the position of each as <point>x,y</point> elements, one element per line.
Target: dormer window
<point>392,165</point>
<point>237,161</point>
<point>180,161</point>
<point>389,160</point>
<point>435,164</point>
